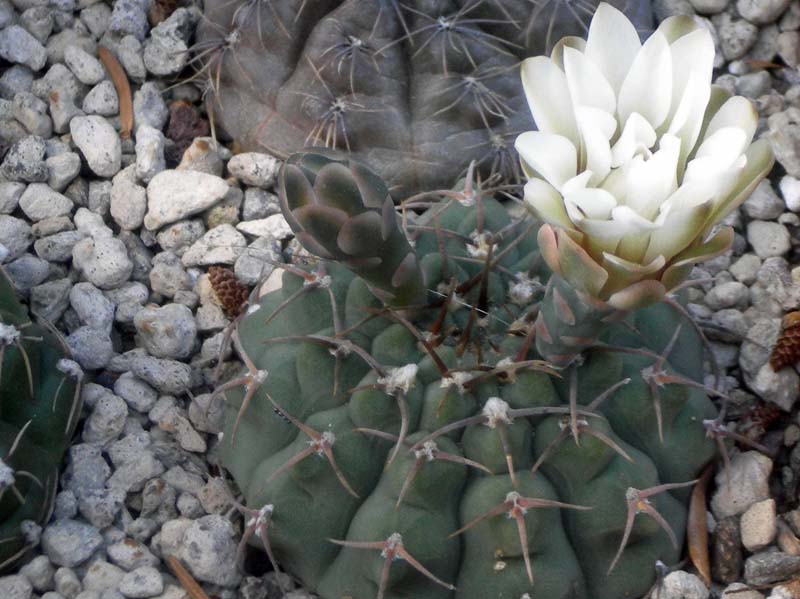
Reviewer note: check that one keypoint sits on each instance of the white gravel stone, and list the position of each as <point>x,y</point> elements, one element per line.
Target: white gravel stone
<point>99,143</point>
<point>221,245</point>
<point>92,349</point>
<point>129,554</point>
<point>92,307</point>
<point>166,332</point>
<point>749,483</point>
<point>137,394</point>
<point>149,107</point>
<point>103,261</point>
<point>781,388</point>
<point>10,193</point>
<point>149,152</point>
<point>62,170</point>
<point>682,585</point>
<point>39,573</point>
<point>102,575</point>
<point>84,66</point>
<point>768,238</point>
<point>67,583</point>
<point>15,587</point>
<point>790,190</point>
<point>128,199</point>
<point>784,135</point>
<point>273,226</point>
<point>142,583</point>
<point>737,590</point>
<point>167,376</point>
<point>254,169</point>
<point>173,195</point>
<point>761,11</point>
<point>736,36</point>
<point>208,549</point>
<point>764,203</point>
<point>759,525</point>
<point>15,236</point>
<point>40,202</point>
<point>20,47</point>
<point>102,100</point>
<point>70,542</point>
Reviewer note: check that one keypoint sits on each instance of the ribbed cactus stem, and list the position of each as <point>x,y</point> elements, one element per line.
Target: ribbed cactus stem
<point>569,322</point>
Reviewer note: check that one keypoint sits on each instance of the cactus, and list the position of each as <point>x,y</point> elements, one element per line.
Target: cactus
<point>40,404</point>
<point>395,434</point>
<point>397,83</point>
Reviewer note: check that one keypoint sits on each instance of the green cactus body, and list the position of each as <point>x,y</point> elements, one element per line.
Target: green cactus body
<point>418,446</point>
<point>397,83</point>
<point>39,408</point>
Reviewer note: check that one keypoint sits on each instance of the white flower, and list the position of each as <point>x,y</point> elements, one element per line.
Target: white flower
<point>637,156</point>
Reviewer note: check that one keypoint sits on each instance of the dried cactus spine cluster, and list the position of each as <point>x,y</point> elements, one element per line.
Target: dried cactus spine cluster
<point>396,434</point>
<point>39,407</point>
<point>396,83</point>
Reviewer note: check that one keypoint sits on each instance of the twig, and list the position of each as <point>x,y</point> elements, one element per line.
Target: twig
<point>187,581</point>
<point>120,81</point>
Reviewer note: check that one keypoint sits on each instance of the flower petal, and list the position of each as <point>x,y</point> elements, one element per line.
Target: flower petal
<point>736,112</point>
<point>587,85</point>
<point>760,160</point>
<point>692,53</point>
<point>552,156</point>
<point>676,273</point>
<point>677,231</point>
<point>636,134</point>
<point>612,44</point>
<point>596,127</point>
<point>591,202</point>
<point>647,88</point>
<point>546,203</point>
<point>641,294</point>
<point>622,273</point>
<point>652,181</point>
<point>688,118</point>
<point>546,90</point>
<point>577,266</point>
<point>568,41</point>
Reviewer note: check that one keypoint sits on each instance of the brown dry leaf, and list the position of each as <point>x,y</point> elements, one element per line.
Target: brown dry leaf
<point>787,348</point>
<point>123,87</point>
<point>697,528</point>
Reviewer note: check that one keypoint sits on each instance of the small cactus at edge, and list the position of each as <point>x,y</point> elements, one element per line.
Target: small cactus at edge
<point>395,433</point>
<point>40,404</point>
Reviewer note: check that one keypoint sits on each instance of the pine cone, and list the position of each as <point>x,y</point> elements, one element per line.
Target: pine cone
<point>230,292</point>
<point>787,348</point>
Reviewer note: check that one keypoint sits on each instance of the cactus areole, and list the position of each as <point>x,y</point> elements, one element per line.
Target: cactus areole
<point>396,433</point>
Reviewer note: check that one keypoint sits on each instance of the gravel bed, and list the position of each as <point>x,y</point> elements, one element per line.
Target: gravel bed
<point>111,237</point>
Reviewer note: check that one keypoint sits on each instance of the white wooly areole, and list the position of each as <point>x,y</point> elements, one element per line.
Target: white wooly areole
<point>637,157</point>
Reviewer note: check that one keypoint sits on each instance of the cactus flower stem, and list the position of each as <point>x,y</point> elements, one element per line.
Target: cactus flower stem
<point>569,322</point>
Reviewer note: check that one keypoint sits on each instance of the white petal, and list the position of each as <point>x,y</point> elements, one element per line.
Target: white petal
<point>636,134</point>
<point>735,112</point>
<point>647,88</point>
<point>596,127</point>
<point>552,156</point>
<point>692,54</point>
<point>688,118</point>
<point>679,229</point>
<point>589,203</point>
<point>651,182</point>
<point>587,85</point>
<point>579,181</point>
<point>568,41</point>
<point>633,222</point>
<point>546,203</point>
<point>725,145</point>
<point>612,44</point>
<point>548,97</point>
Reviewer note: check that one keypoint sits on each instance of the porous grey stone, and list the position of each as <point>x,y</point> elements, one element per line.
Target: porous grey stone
<point>40,202</point>
<point>142,583</point>
<point>768,238</point>
<point>70,542</point>
<point>149,107</point>
<point>749,483</point>
<point>99,143</point>
<point>92,349</point>
<point>102,100</point>
<point>208,549</point>
<point>149,152</point>
<point>166,332</point>
<point>254,169</point>
<point>15,236</point>
<point>220,245</point>
<point>172,195</point>
<point>84,66</point>
<point>761,11</point>
<point>24,161</point>
<point>128,199</point>
<point>103,261</point>
<point>62,169</point>
<point>20,47</point>
<point>682,585</point>
<point>784,135</point>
